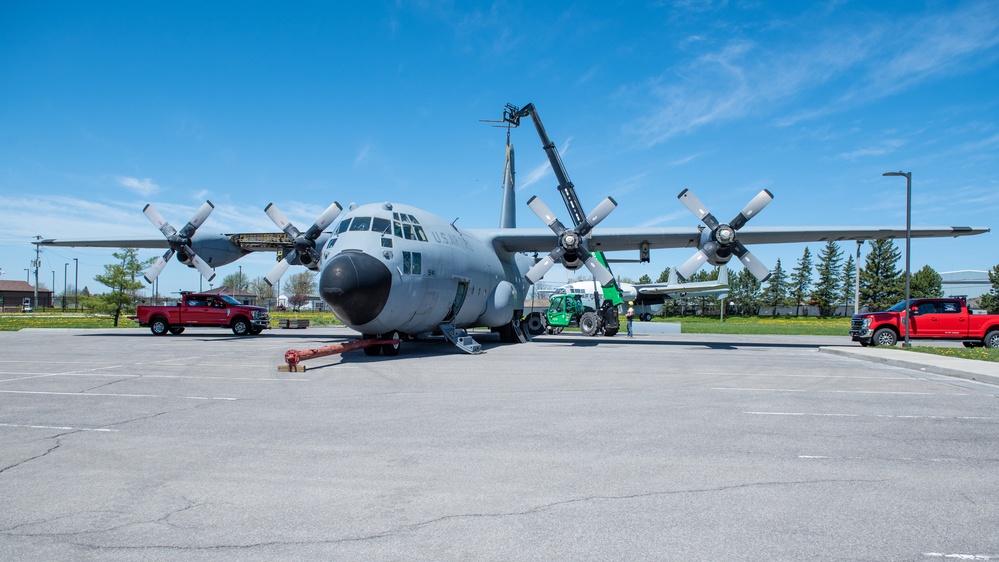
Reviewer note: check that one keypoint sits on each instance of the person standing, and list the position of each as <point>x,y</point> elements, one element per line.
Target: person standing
<point>630,315</point>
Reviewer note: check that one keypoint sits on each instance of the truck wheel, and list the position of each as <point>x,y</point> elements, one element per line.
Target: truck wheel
<point>588,324</point>
<point>884,337</point>
<point>159,326</point>
<point>535,324</point>
<point>176,330</point>
<point>611,332</point>
<point>647,317</point>
<point>240,326</point>
<point>992,339</point>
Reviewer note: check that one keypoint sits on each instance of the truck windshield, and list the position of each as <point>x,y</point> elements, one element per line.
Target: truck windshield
<point>897,308</point>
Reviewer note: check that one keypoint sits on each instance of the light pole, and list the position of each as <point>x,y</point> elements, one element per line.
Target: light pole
<point>65,289</point>
<point>76,285</point>
<point>908,240</point>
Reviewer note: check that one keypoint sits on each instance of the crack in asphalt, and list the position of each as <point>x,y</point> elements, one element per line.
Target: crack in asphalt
<point>430,522</point>
<point>58,444</point>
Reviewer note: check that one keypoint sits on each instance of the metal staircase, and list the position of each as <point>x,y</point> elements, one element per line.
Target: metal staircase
<point>460,338</point>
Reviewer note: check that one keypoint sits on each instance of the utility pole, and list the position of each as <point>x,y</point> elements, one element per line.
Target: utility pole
<point>76,286</point>
<point>856,282</point>
<point>65,277</point>
<point>38,263</point>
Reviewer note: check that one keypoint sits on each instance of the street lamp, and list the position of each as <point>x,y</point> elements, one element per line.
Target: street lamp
<point>76,285</point>
<point>908,241</point>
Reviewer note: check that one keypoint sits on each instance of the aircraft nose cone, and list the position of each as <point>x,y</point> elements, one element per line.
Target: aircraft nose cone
<point>356,286</point>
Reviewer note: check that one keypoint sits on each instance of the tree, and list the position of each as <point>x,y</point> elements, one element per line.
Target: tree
<point>746,293</point>
<point>926,284</point>
<point>120,277</point>
<point>801,280</point>
<point>301,286</point>
<point>775,293</point>
<point>236,282</point>
<point>827,290</point>
<point>881,283</point>
<point>664,276</point>
<point>262,289</point>
<point>848,280</point>
<point>644,280</point>
<point>990,301</point>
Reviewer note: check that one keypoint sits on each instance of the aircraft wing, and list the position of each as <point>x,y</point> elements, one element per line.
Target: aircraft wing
<point>107,243</point>
<point>617,239</point>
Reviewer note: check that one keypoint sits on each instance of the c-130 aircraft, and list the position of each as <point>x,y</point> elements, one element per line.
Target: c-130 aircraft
<point>393,271</point>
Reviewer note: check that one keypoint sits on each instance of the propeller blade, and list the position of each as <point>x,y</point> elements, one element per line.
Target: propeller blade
<point>278,270</point>
<point>761,200</point>
<point>691,266</point>
<point>324,221</point>
<point>694,205</point>
<point>754,265</point>
<point>600,273</point>
<point>157,267</point>
<point>199,218</point>
<point>281,221</point>
<point>600,213</point>
<point>203,268</point>
<point>545,214</point>
<point>158,221</point>
<point>541,268</point>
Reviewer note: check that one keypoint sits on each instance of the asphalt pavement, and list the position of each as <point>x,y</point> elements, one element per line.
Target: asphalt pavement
<point>120,445</point>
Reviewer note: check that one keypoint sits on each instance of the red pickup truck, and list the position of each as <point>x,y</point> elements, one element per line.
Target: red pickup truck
<point>934,319</point>
<point>197,309</point>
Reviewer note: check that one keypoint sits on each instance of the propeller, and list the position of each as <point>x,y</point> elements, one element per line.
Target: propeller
<point>180,242</point>
<point>571,250</point>
<point>719,243</point>
<point>304,242</point>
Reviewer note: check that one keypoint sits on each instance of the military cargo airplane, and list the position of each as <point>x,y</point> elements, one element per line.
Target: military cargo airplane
<point>390,270</point>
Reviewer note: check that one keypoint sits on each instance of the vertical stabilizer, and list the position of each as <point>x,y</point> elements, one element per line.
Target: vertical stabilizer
<point>508,213</point>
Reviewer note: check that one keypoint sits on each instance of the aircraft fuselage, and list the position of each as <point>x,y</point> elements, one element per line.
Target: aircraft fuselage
<point>395,268</point>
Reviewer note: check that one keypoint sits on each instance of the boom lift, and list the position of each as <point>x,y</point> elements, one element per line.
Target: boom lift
<point>605,319</point>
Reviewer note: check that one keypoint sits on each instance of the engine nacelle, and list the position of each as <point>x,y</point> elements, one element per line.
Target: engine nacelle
<point>216,250</point>
<point>716,254</point>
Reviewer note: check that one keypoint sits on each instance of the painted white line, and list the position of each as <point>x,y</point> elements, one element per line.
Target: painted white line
<point>960,556</point>
<point>98,429</point>
<point>900,459</point>
<point>116,395</point>
<point>887,416</point>
<point>830,391</point>
<point>126,376</point>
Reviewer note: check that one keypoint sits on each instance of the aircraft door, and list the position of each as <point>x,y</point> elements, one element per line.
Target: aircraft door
<point>459,299</point>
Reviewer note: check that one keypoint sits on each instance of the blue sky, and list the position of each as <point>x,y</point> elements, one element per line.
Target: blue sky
<point>108,106</point>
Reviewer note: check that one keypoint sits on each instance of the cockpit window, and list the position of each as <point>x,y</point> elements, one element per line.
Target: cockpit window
<point>413,220</point>
<point>420,235</point>
<point>397,229</point>
<point>381,226</point>
<point>343,227</point>
<point>360,223</point>
<point>407,230</point>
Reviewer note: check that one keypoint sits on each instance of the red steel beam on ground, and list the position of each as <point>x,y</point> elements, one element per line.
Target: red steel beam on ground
<point>295,356</point>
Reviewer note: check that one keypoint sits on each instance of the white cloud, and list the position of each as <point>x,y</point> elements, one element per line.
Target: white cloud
<point>860,61</point>
<point>144,186</point>
<point>541,171</point>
